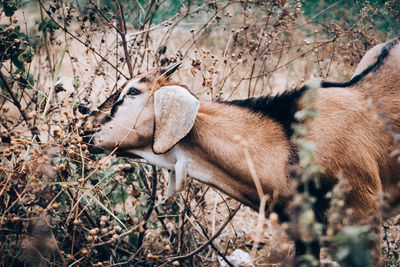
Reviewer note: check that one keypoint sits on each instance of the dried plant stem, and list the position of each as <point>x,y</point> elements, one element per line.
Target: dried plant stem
<point>182,220</point>
<point>253,172</point>
<point>291,60</point>
<point>151,205</point>
<point>18,105</point>
<point>203,230</point>
<point>214,212</point>
<point>199,249</point>
<point>5,185</point>
<point>46,45</point>
<point>263,201</point>
<point>260,226</point>
<point>82,42</point>
<point>122,32</point>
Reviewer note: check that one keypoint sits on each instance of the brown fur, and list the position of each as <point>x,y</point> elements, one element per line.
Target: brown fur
<point>383,85</point>
<point>213,139</point>
<point>382,89</point>
<point>347,137</point>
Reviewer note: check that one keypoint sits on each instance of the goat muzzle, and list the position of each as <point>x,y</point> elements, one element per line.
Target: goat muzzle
<point>88,138</point>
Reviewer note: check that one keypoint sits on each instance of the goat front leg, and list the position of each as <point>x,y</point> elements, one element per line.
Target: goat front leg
<point>177,178</point>
<point>171,187</point>
<point>180,174</point>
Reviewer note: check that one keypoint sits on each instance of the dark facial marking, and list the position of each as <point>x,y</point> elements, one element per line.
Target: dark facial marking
<point>108,105</point>
<point>109,101</point>
<point>115,108</point>
<point>144,79</point>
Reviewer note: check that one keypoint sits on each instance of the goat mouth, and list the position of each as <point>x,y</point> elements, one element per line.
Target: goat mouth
<point>126,153</point>
<point>93,149</point>
<point>87,138</point>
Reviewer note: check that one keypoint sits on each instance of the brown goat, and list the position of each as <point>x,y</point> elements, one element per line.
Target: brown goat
<point>162,122</point>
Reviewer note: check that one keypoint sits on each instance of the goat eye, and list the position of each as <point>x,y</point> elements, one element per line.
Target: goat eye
<point>133,91</point>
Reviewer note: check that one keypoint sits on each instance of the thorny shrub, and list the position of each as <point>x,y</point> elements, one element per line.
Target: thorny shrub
<point>62,206</point>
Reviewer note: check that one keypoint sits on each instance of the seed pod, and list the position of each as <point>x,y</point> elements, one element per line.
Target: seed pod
<point>14,219</point>
<point>84,251</point>
<point>88,126</point>
<point>273,217</point>
<point>152,256</point>
<point>94,231</point>
<point>104,218</point>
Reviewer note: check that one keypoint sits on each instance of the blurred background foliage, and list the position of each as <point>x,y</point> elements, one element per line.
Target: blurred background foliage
<point>386,21</point>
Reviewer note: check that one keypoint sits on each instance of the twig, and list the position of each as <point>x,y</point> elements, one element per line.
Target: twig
<point>156,209</point>
<point>73,196</point>
<point>222,255</point>
<point>183,221</point>
<point>202,247</point>
<point>18,105</point>
<point>259,227</point>
<point>263,200</point>
<point>122,32</point>
<point>46,44</point>
<point>151,205</point>
<point>82,42</point>
<point>290,61</point>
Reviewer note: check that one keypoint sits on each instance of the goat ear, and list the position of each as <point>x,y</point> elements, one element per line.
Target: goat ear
<point>170,69</point>
<point>175,110</point>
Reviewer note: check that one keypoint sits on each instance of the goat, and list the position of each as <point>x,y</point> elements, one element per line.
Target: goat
<point>160,120</point>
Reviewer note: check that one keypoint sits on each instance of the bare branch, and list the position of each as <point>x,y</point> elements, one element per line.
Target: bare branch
<point>202,247</point>
<point>82,42</point>
<point>122,32</point>
<point>18,105</point>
